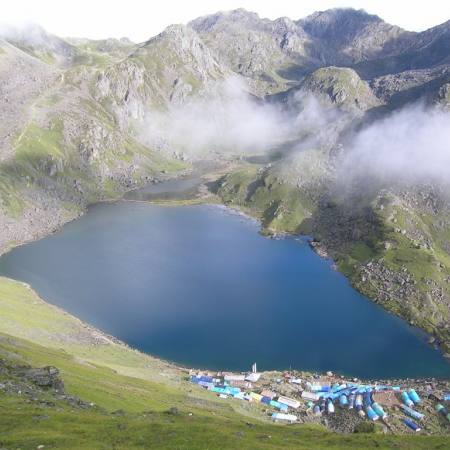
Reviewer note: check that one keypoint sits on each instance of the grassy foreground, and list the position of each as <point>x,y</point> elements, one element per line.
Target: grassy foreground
<point>132,394</point>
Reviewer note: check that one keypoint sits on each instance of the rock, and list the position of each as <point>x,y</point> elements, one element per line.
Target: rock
<point>173,411</point>
<point>41,417</point>
<point>46,377</point>
<point>340,86</point>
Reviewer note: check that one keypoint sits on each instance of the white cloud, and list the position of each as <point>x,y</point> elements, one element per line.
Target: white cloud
<point>411,145</point>
<point>232,123</point>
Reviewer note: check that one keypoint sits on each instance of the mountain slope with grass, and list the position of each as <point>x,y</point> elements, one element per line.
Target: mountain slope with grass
<point>97,393</point>
<point>75,116</point>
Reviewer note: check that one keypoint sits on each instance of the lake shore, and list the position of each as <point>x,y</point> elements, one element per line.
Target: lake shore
<point>127,237</point>
<point>204,195</point>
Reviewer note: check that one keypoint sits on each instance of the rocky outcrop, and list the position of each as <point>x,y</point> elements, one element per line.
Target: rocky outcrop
<point>45,377</point>
<point>401,88</point>
<point>167,69</point>
<point>341,87</point>
<point>254,47</point>
<point>61,148</point>
<point>443,96</point>
<point>41,386</point>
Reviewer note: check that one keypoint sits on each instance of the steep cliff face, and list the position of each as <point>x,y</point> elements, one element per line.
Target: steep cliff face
<point>271,52</point>
<point>61,148</point>
<point>164,70</point>
<point>416,51</point>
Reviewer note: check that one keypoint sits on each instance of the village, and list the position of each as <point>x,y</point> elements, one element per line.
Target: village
<point>339,403</point>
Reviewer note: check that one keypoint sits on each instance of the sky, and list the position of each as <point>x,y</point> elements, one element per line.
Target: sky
<point>141,19</point>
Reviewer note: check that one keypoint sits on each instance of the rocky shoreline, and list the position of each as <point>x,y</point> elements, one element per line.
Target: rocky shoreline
<point>377,271</point>
<point>47,214</point>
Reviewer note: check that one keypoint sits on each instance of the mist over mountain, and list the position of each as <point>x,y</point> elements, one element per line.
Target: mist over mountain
<point>409,146</point>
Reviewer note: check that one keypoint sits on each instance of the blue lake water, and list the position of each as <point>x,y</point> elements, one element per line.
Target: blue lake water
<point>199,285</point>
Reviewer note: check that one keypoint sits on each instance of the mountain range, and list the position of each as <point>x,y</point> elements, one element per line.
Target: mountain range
<point>76,114</point>
<point>335,126</point>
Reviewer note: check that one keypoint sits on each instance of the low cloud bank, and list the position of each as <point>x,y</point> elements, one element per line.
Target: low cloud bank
<point>234,122</point>
<point>230,121</point>
<point>26,32</point>
<point>411,146</point>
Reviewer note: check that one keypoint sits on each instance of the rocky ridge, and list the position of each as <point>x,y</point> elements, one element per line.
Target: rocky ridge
<point>42,386</point>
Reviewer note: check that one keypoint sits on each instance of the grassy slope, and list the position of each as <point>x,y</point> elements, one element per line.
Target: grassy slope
<point>341,85</point>
<point>429,268</point>
<point>115,377</point>
<point>91,430</point>
<point>277,204</point>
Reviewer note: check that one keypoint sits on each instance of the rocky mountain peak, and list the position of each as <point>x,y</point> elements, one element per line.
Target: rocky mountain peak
<point>177,32</point>
<point>241,16</point>
<point>178,45</point>
<point>337,22</point>
<point>348,36</point>
<point>284,24</point>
